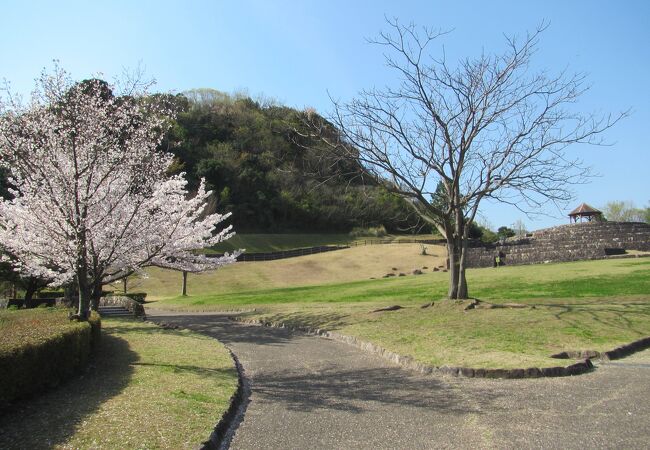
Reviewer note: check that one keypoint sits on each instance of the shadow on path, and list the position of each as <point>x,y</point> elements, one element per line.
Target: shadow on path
<point>227,331</point>
<point>304,373</point>
<point>356,390</point>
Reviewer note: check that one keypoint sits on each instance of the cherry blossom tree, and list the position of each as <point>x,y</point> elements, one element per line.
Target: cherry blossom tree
<point>93,201</point>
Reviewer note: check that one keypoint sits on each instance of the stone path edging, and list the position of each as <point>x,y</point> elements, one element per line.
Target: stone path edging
<point>626,350</point>
<point>617,353</point>
<point>225,429</point>
<point>409,363</point>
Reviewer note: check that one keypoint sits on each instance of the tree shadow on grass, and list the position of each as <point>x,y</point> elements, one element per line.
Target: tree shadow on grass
<point>205,372</point>
<point>54,417</point>
<point>614,315</point>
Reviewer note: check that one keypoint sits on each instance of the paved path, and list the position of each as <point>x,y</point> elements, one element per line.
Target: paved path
<point>310,392</point>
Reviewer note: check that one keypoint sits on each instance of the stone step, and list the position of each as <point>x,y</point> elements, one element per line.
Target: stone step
<point>114,311</point>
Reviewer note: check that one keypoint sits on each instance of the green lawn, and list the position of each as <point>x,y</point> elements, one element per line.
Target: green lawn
<point>149,388</point>
<point>567,281</point>
<point>593,305</point>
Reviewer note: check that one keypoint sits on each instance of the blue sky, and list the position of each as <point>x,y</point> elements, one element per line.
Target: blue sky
<point>298,51</point>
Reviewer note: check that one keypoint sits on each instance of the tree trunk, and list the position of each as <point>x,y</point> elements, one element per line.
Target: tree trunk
<point>462,292</point>
<point>452,257</point>
<point>124,284</point>
<point>456,249</point>
<point>184,292</point>
<point>96,294</point>
<point>85,293</point>
<point>30,290</point>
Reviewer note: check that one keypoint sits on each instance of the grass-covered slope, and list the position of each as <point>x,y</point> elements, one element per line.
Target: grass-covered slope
<point>594,305</point>
<point>265,243</point>
<point>232,285</point>
<point>150,388</point>
<point>353,264</point>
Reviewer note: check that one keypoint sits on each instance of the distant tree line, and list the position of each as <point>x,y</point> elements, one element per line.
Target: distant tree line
<point>626,211</point>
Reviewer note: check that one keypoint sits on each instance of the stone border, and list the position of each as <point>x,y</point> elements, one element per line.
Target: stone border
<point>409,363</point>
<point>224,430</point>
<point>581,354</point>
<point>626,350</point>
<point>617,353</point>
<point>128,303</point>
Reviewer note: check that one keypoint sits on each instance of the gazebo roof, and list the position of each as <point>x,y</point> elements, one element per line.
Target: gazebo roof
<point>584,210</point>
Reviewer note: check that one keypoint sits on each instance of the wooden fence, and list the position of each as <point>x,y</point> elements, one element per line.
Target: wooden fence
<point>270,256</point>
<point>399,241</point>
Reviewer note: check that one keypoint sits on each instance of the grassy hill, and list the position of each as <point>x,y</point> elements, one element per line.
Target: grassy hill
<point>352,264</point>
<point>262,242</point>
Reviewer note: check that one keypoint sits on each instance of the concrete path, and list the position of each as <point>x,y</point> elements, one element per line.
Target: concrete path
<point>310,392</point>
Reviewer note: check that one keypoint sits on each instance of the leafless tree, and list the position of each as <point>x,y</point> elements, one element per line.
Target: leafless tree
<point>446,138</point>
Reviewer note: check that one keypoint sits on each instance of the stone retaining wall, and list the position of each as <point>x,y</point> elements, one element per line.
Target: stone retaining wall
<point>593,240</point>
<point>128,303</point>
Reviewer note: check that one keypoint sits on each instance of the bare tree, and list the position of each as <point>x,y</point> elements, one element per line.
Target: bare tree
<point>445,138</point>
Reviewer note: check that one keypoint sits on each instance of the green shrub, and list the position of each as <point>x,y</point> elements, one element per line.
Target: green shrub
<point>41,348</point>
<point>489,236</point>
<point>137,296</point>
<point>358,232</point>
<point>95,322</point>
<point>50,294</point>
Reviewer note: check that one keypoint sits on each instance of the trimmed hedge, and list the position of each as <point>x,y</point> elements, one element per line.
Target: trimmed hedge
<point>36,302</point>
<point>137,296</point>
<point>41,348</point>
<point>50,294</point>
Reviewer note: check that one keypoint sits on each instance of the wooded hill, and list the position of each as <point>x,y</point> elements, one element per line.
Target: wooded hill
<point>271,178</point>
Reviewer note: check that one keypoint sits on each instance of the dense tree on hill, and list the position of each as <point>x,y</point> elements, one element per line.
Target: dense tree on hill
<point>271,178</point>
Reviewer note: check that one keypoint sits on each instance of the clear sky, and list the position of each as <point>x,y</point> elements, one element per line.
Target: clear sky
<point>297,51</point>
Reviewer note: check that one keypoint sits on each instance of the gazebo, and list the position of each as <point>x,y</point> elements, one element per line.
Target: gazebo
<point>585,211</point>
